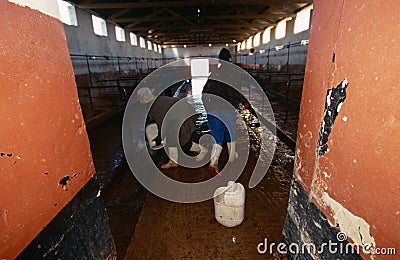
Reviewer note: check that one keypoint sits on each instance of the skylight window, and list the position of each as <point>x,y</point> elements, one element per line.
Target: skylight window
<point>67,13</point>
<point>302,22</point>
<point>280,30</point>
<point>249,43</point>
<point>149,45</point>
<point>256,41</point>
<point>119,34</point>
<point>267,35</point>
<point>142,42</point>
<point>99,26</point>
<point>133,39</point>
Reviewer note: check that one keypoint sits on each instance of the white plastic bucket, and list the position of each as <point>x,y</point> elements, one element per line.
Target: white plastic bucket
<point>229,204</point>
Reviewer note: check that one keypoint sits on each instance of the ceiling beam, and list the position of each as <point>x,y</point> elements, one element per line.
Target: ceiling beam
<point>206,34</point>
<point>219,21</point>
<point>175,18</point>
<point>202,28</point>
<point>232,35</point>
<point>119,14</point>
<point>202,42</point>
<point>158,4</point>
<point>181,17</point>
<point>204,37</point>
<point>123,11</point>
<point>155,13</point>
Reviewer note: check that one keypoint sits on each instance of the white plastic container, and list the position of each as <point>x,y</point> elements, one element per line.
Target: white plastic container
<point>229,204</point>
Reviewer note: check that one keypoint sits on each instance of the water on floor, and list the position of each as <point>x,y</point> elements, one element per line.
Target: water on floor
<point>145,226</point>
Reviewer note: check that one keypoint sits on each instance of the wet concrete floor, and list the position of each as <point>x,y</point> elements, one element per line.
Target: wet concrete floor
<point>145,226</point>
<point>123,196</point>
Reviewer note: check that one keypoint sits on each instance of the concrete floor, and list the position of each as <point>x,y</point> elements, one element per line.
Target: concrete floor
<point>170,230</point>
<point>147,227</point>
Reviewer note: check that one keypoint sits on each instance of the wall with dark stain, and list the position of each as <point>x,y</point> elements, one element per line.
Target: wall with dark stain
<point>347,155</point>
<point>45,157</point>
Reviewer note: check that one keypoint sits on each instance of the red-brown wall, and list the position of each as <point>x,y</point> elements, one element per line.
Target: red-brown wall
<point>357,182</point>
<point>43,137</point>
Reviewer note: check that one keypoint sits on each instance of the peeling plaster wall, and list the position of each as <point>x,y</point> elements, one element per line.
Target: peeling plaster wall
<point>356,182</point>
<point>45,157</point>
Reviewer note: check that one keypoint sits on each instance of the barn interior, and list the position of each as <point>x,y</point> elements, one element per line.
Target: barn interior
<point>318,153</point>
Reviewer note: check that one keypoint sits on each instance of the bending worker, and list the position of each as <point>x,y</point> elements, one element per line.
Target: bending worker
<point>157,112</point>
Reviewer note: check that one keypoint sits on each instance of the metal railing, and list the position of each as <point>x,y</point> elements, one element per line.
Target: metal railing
<point>120,75</point>
<point>101,74</point>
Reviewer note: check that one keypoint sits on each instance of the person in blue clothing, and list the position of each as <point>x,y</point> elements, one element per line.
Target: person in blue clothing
<point>221,116</point>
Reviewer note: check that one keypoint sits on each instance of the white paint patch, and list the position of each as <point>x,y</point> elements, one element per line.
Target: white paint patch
<point>326,175</point>
<point>328,98</point>
<point>307,139</point>
<point>299,177</point>
<point>297,165</point>
<point>339,107</point>
<point>49,7</point>
<point>355,227</point>
<point>345,118</point>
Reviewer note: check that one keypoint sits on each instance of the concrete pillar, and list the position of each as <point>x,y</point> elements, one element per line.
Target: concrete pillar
<point>347,154</point>
<point>45,157</point>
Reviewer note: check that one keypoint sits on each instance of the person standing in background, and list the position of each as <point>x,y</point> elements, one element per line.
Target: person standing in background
<point>221,116</point>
